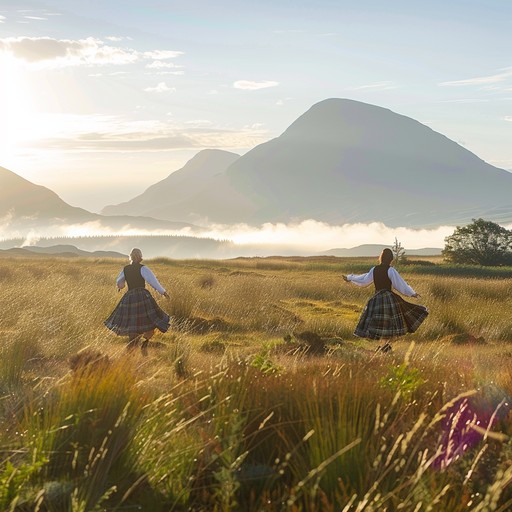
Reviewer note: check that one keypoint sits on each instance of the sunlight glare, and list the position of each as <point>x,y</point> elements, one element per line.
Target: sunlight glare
<point>15,106</point>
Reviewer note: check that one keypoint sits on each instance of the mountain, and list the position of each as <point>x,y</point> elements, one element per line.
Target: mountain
<point>64,251</point>
<point>22,199</point>
<point>344,161</point>
<point>168,198</point>
<point>169,246</point>
<point>25,206</point>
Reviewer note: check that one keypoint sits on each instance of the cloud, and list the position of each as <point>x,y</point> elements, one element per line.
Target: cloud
<point>158,64</point>
<point>508,118</point>
<point>199,123</point>
<point>161,87</point>
<point>248,85</point>
<point>481,80</point>
<point>111,134</point>
<point>307,237</point>
<point>318,236</point>
<point>54,53</point>
<point>116,39</point>
<point>466,100</point>
<point>161,54</point>
<point>2,19</point>
<point>66,52</point>
<point>282,101</point>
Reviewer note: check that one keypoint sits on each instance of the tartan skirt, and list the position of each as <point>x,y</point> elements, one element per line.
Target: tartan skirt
<point>387,315</point>
<point>137,312</point>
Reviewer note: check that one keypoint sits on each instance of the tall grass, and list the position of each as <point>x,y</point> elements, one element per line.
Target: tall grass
<point>261,424</point>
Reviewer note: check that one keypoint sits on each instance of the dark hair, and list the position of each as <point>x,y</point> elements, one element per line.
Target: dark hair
<point>386,256</point>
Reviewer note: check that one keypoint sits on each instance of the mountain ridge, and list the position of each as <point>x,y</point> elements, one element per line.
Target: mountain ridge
<point>344,161</point>
<point>26,206</point>
<point>178,186</point>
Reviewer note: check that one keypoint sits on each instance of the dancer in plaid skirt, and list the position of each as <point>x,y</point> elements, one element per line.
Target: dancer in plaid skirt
<point>387,315</point>
<point>138,315</point>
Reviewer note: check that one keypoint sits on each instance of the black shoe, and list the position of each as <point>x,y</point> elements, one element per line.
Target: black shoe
<point>144,347</point>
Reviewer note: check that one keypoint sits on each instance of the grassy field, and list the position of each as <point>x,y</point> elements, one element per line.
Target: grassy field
<point>259,398</point>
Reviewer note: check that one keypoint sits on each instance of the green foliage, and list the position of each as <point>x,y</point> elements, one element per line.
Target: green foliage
<point>402,378</point>
<point>15,479</point>
<point>264,363</point>
<point>480,243</point>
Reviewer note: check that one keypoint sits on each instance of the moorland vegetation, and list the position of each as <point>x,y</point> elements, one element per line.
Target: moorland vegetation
<point>259,398</point>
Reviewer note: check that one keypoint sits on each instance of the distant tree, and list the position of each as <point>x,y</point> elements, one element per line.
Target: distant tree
<point>480,243</point>
<point>398,251</point>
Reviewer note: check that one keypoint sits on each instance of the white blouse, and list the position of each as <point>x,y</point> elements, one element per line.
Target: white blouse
<point>148,276</point>
<point>397,281</point>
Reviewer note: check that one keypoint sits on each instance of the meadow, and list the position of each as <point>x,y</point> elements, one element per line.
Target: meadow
<point>259,398</point>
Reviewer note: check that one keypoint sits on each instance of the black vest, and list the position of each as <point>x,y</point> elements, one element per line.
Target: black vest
<point>133,276</point>
<point>380,278</point>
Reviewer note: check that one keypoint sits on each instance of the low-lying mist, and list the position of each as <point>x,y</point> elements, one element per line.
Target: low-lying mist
<point>302,238</point>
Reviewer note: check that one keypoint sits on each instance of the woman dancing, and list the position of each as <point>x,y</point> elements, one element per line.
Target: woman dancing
<point>386,315</point>
<point>137,314</point>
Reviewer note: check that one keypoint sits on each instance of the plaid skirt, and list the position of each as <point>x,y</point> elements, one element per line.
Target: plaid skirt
<point>387,315</point>
<point>137,312</point>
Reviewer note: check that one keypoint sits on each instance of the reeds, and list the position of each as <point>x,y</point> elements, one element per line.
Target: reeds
<point>234,418</point>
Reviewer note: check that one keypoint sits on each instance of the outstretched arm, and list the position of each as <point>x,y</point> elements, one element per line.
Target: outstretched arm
<point>399,283</point>
<point>120,281</point>
<point>151,279</point>
<point>360,280</point>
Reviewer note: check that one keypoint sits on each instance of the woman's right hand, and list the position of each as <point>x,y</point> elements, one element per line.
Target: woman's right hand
<point>345,278</point>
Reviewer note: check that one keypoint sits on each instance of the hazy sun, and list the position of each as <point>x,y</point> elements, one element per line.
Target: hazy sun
<point>16,106</point>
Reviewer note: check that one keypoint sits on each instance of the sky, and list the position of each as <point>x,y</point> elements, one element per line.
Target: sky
<point>99,99</point>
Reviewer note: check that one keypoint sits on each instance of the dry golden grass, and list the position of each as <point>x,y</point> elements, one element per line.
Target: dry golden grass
<point>224,414</point>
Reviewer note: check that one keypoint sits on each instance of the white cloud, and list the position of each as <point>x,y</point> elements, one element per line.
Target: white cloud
<point>161,87</point>
<point>508,118</point>
<point>54,53</point>
<point>99,133</point>
<point>254,126</point>
<point>282,101</point>
<point>2,18</point>
<point>466,100</point>
<point>307,237</point>
<point>51,52</point>
<point>37,18</point>
<point>199,123</point>
<point>162,73</point>
<point>253,86</point>
<point>158,64</point>
<point>313,235</point>
<point>481,80</point>
<point>161,54</point>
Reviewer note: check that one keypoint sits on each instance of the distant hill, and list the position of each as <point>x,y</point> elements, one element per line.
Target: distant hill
<point>344,161</point>
<point>66,251</point>
<point>25,206</point>
<point>168,198</point>
<point>375,250</point>
<point>176,247</point>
